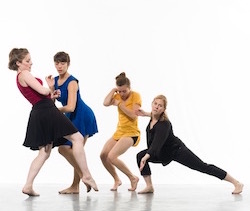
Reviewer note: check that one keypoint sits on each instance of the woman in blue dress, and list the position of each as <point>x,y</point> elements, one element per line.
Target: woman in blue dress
<point>75,109</point>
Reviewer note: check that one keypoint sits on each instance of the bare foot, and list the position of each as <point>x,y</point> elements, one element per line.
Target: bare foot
<point>70,190</point>
<point>238,188</point>
<point>90,183</point>
<point>116,185</point>
<point>30,192</point>
<point>147,190</point>
<point>134,183</point>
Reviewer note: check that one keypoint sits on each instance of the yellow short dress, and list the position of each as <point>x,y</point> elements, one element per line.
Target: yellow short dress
<point>127,127</point>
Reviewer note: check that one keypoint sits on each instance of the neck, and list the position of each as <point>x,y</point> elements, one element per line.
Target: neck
<point>64,75</point>
<point>155,117</point>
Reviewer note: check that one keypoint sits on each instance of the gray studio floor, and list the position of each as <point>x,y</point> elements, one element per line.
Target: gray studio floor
<point>166,197</point>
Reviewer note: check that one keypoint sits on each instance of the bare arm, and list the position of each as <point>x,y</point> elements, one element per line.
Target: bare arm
<point>141,112</point>
<point>109,100</point>
<point>72,98</point>
<point>51,82</point>
<point>130,113</point>
<point>27,79</point>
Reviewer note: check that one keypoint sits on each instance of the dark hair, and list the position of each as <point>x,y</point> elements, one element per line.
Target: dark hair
<point>16,55</point>
<point>121,80</point>
<point>62,57</point>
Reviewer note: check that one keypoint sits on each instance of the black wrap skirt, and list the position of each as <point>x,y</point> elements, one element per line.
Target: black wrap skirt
<point>47,125</point>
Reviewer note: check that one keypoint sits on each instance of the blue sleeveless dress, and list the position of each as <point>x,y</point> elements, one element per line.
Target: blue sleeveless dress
<point>83,118</point>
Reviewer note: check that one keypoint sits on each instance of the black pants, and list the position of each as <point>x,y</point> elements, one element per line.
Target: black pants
<point>187,158</point>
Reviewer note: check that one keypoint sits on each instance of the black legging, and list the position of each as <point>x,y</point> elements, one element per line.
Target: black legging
<point>187,158</point>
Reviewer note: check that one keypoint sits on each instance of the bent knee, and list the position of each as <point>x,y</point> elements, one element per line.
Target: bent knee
<point>63,150</point>
<point>111,158</point>
<point>103,156</point>
<point>75,137</point>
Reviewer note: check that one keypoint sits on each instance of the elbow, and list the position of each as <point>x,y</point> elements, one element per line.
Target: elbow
<point>45,92</point>
<point>105,104</point>
<point>69,109</point>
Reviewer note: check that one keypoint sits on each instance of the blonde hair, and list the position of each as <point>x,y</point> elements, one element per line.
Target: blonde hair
<point>163,116</point>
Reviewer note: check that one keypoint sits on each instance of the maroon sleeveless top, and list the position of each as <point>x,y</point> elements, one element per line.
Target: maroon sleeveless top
<point>30,94</point>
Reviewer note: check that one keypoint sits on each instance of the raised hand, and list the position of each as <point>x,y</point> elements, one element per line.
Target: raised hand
<point>50,81</point>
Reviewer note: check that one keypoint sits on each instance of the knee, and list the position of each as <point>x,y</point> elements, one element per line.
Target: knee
<point>44,155</point>
<point>107,157</point>
<point>76,137</point>
<point>62,150</point>
<point>103,156</point>
<point>140,155</point>
<point>111,158</point>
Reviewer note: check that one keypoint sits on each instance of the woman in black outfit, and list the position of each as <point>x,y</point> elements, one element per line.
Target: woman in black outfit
<point>164,147</point>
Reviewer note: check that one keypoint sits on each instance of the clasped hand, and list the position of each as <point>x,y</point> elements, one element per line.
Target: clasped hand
<point>55,94</point>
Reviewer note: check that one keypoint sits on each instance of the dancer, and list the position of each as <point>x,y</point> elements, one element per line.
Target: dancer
<point>46,123</point>
<point>127,133</point>
<point>164,147</point>
<point>75,109</point>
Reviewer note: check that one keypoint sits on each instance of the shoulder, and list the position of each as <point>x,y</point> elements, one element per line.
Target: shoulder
<point>72,78</point>
<point>165,124</point>
<point>25,73</point>
<point>136,96</point>
<point>72,81</point>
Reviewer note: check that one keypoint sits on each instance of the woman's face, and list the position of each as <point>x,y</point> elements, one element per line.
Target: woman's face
<point>158,107</point>
<point>25,64</point>
<point>61,67</point>
<point>124,91</point>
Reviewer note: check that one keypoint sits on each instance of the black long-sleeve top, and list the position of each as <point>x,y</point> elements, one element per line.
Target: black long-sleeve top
<point>161,141</point>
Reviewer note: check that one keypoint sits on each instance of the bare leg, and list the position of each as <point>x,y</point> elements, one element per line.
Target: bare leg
<point>67,152</point>
<point>149,185</point>
<point>35,167</point>
<point>108,165</point>
<point>80,157</point>
<point>238,187</point>
<point>120,148</point>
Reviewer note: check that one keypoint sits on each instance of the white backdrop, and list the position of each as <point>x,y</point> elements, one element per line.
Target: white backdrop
<point>195,52</point>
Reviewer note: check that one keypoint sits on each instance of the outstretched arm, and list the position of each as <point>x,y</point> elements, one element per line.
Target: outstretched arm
<point>141,112</point>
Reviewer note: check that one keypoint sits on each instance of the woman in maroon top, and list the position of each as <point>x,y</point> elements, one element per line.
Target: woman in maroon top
<point>164,147</point>
<point>46,125</point>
